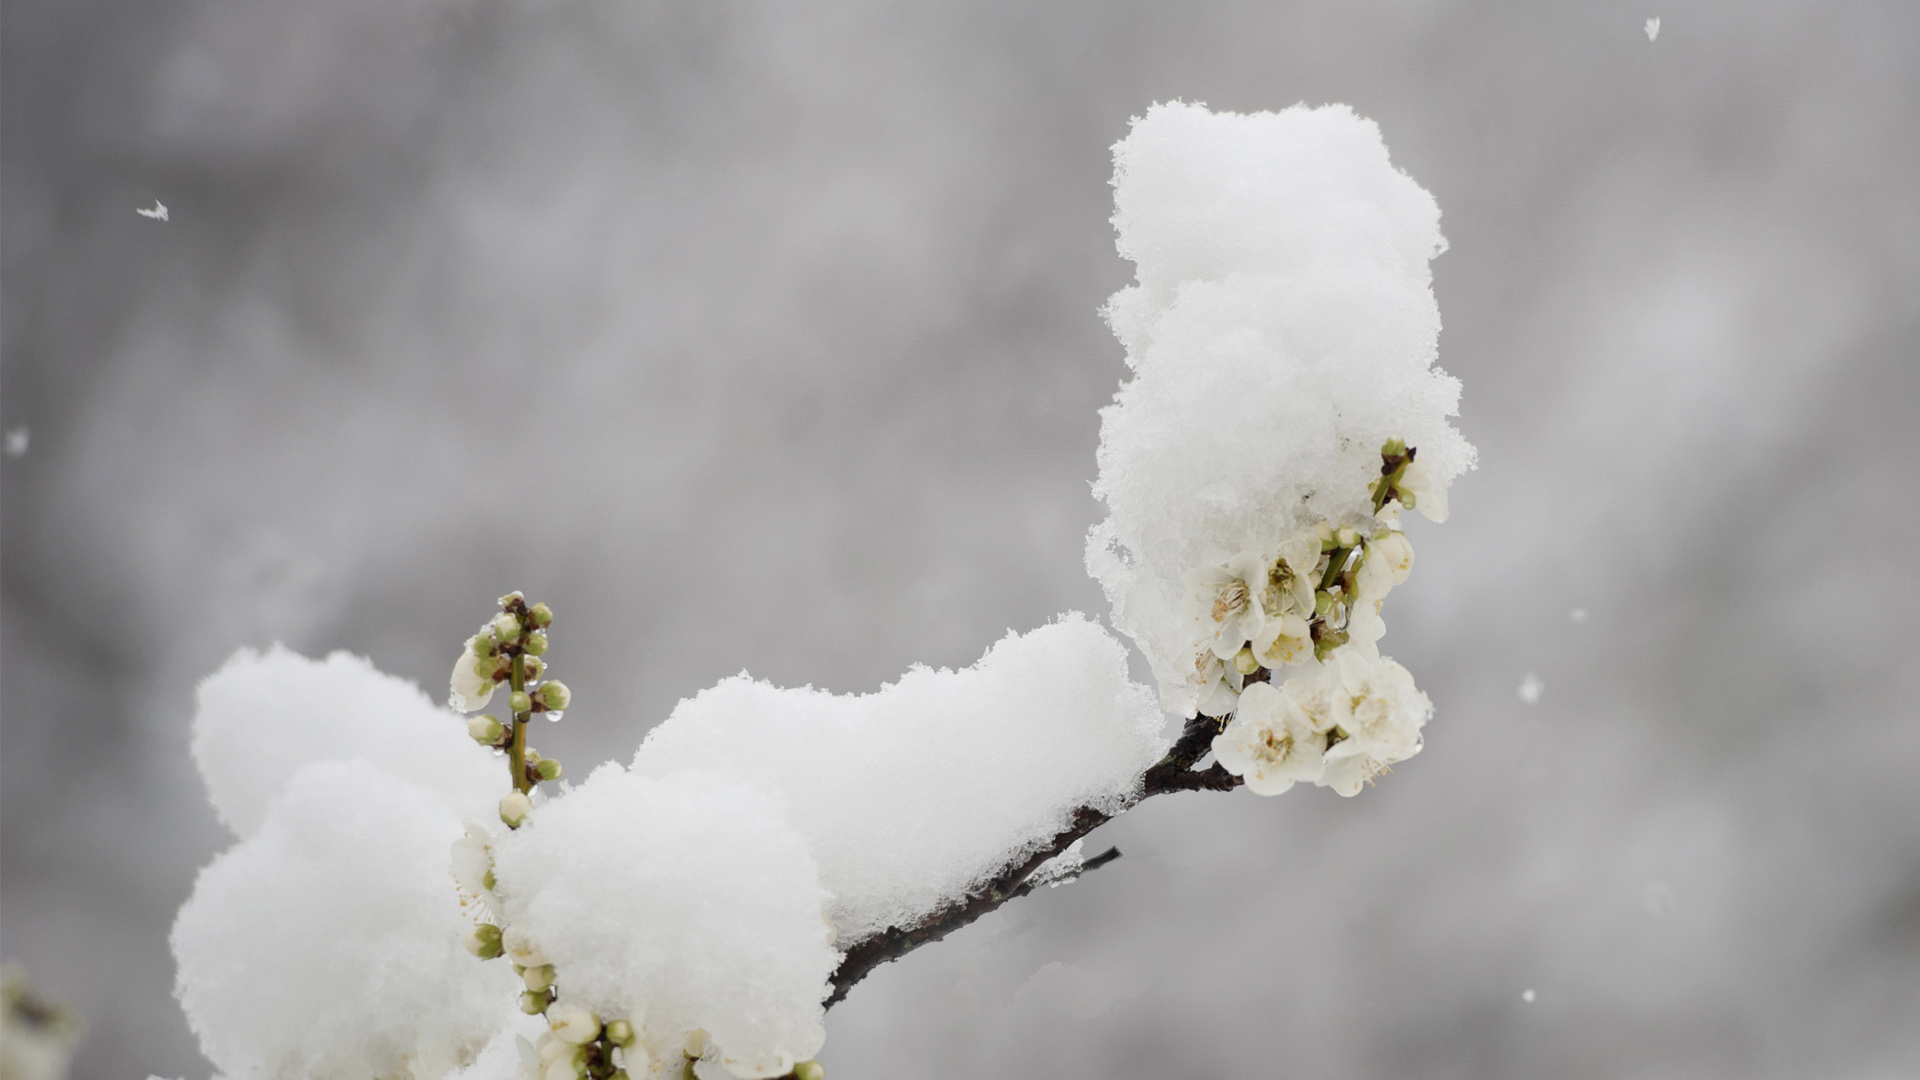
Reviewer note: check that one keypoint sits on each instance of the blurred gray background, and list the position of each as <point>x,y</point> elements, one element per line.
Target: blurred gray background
<point>763,335</point>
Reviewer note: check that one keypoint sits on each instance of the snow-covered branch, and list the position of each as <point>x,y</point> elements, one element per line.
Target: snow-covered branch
<point>696,909</point>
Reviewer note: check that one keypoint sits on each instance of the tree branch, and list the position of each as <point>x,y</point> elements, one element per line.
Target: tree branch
<point>1175,772</point>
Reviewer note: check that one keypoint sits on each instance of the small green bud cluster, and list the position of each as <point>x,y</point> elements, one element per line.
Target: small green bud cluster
<point>1395,456</point>
<point>578,1046</point>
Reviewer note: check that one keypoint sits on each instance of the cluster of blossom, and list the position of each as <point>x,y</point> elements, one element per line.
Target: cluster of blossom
<point>1284,408</point>
<point>1312,609</point>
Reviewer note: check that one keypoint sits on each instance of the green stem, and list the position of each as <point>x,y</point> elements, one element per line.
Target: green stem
<point>517,756</point>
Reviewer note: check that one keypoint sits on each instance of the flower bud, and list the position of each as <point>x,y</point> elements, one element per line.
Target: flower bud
<point>481,645</point>
<point>1325,532</point>
<point>534,1002</point>
<point>485,729</point>
<point>523,950</point>
<point>483,941</point>
<point>1347,536</point>
<point>554,696</point>
<point>548,769</point>
<point>561,1068</point>
<point>620,1033</point>
<point>548,1046</point>
<point>1245,662</point>
<point>488,881</point>
<point>536,644</point>
<point>538,979</point>
<point>542,615</point>
<point>1323,603</point>
<point>697,1043</point>
<point>1393,447</point>
<point>574,1024</point>
<point>507,600</point>
<point>519,702</point>
<point>515,808</point>
<point>505,627</point>
<point>808,1070</point>
<point>533,666</point>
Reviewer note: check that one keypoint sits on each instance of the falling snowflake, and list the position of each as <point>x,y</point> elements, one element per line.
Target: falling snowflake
<point>1653,28</point>
<point>17,442</point>
<point>1527,996</point>
<point>1530,688</point>
<point>158,211</point>
<point>1578,614</point>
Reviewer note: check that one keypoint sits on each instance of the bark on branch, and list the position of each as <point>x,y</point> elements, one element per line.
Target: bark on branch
<point>1175,772</point>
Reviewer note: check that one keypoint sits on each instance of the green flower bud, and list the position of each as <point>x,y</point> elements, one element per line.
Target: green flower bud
<point>485,729</point>
<point>536,643</point>
<point>620,1033</point>
<point>1347,536</point>
<point>507,600</point>
<point>482,645</point>
<point>538,979</point>
<point>542,615</point>
<point>548,769</point>
<point>1245,662</point>
<point>488,881</point>
<point>554,696</point>
<point>1325,532</point>
<point>519,702</point>
<point>483,941</point>
<point>506,627</point>
<point>515,808</point>
<point>1393,447</point>
<point>809,1070</point>
<point>1323,604</point>
<point>533,666</point>
<point>534,1003</point>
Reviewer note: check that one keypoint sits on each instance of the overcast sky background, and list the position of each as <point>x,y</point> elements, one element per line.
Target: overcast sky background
<point>764,335</point>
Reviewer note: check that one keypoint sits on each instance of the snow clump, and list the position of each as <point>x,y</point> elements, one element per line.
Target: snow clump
<point>328,943</point>
<point>263,716</point>
<point>1282,330</point>
<point>911,796</point>
<point>680,904</point>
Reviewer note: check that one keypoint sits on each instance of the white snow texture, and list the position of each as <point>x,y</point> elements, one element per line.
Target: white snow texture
<point>912,795</point>
<point>1281,328</point>
<point>328,943</point>
<point>264,715</point>
<point>683,903</point>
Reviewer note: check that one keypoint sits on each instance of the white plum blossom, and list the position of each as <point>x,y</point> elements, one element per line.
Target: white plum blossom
<point>1389,562</point>
<point>1429,492</point>
<point>1286,602</point>
<point>469,690</point>
<point>472,861</point>
<point>1217,684</point>
<point>1271,741</point>
<point>1222,604</point>
<point>1373,707</point>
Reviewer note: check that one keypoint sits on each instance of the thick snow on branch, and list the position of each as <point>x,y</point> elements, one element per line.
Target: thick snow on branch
<point>1282,328</point>
<point>912,795</point>
<point>683,903</point>
<point>329,942</point>
<point>263,716</point>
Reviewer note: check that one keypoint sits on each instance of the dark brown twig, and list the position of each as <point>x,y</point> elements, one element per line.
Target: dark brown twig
<point>1175,772</point>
